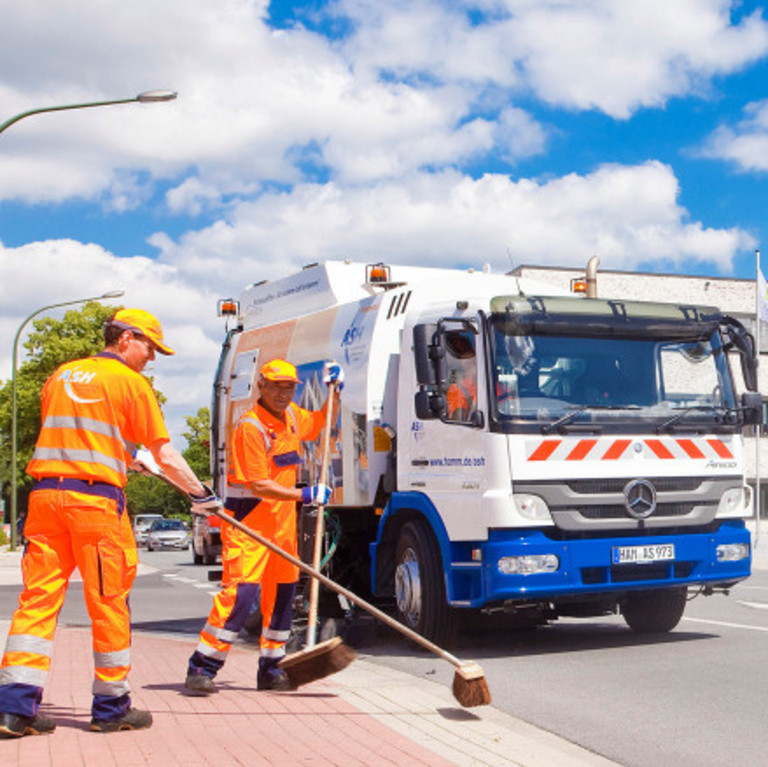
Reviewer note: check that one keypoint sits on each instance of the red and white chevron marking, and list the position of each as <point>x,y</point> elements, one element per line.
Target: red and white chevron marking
<point>606,449</point>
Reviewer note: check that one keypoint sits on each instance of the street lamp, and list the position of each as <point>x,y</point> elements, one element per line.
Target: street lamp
<point>14,500</point>
<point>148,97</point>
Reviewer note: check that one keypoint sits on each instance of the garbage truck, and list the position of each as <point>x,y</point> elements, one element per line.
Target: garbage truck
<point>507,447</point>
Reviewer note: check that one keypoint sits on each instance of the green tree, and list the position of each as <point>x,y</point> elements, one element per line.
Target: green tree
<point>51,343</point>
<point>148,495</point>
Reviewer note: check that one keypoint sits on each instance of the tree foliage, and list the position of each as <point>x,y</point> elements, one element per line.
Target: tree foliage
<point>51,343</point>
<point>147,495</point>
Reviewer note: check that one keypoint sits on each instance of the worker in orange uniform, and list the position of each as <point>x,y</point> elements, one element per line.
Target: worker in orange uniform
<point>262,494</point>
<point>95,412</point>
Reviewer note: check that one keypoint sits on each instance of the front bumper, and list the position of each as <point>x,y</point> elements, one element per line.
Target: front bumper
<point>585,565</point>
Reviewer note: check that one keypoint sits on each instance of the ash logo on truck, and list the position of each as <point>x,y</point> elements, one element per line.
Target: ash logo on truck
<point>353,342</point>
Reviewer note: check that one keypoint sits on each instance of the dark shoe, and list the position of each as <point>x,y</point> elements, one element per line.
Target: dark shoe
<point>133,719</point>
<point>15,726</point>
<point>200,684</point>
<point>276,680</point>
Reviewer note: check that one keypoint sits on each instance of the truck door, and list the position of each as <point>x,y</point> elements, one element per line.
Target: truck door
<point>446,447</point>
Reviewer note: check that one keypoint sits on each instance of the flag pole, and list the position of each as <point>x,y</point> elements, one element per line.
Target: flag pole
<point>759,301</point>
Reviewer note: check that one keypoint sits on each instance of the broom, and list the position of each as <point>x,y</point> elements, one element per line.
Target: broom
<point>470,687</point>
<point>317,661</point>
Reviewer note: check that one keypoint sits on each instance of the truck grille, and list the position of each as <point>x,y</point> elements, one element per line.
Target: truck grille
<point>662,485</point>
<point>619,511</point>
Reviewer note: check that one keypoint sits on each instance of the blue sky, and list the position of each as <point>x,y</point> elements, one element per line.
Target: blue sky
<point>442,132</point>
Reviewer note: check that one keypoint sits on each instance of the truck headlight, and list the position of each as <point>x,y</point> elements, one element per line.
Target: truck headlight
<point>532,507</point>
<point>732,552</point>
<point>529,564</point>
<point>735,502</point>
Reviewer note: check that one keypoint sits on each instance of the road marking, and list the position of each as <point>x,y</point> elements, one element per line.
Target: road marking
<point>756,605</point>
<point>180,578</point>
<point>726,624</point>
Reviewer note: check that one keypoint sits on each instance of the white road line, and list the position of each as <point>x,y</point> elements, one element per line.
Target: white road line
<point>180,578</point>
<point>726,624</point>
<point>756,605</point>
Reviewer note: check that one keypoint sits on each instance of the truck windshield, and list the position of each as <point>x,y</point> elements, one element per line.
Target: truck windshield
<point>556,382</point>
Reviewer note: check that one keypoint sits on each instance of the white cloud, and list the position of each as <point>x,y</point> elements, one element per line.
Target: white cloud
<point>43,273</point>
<point>399,93</point>
<point>626,214</point>
<point>616,57</point>
<point>746,144</point>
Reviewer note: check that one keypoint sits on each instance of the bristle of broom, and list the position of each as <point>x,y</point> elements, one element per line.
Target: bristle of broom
<point>317,662</point>
<point>470,687</point>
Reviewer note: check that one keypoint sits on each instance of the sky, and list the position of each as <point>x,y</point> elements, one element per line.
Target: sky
<point>433,132</point>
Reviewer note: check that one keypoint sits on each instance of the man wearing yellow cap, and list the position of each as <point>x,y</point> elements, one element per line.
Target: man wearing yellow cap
<point>95,412</point>
<point>262,494</point>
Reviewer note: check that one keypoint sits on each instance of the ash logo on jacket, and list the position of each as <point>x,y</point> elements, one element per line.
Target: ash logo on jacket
<point>77,376</point>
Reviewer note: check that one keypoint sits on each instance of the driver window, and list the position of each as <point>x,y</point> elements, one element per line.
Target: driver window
<point>461,375</point>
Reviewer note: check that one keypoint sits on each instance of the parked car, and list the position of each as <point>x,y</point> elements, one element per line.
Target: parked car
<point>168,534</point>
<point>141,525</point>
<point>206,540</point>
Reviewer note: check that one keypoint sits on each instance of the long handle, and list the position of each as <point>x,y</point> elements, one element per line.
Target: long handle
<point>352,597</point>
<point>359,601</point>
<point>314,586</point>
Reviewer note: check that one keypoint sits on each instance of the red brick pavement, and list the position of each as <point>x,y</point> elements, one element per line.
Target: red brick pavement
<point>237,726</point>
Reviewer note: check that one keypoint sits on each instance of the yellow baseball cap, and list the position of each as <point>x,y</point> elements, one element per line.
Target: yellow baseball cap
<point>279,370</point>
<point>144,323</point>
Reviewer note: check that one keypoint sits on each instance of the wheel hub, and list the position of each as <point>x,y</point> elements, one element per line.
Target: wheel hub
<point>408,587</point>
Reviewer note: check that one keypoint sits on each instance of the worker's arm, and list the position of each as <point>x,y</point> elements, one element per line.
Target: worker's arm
<point>176,468</point>
<point>274,491</point>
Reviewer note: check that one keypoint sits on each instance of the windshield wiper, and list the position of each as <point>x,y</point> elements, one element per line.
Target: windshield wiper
<point>577,409</point>
<point>718,410</point>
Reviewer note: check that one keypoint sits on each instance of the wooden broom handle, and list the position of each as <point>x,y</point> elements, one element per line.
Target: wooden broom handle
<point>314,586</point>
<point>352,597</point>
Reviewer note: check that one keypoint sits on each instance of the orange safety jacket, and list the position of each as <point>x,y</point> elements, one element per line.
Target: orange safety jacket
<point>95,412</point>
<point>265,447</point>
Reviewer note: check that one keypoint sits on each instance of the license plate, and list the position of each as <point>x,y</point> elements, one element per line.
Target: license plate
<point>629,555</point>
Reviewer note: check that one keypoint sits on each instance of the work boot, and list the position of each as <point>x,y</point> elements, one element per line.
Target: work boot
<point>275,679</point>
<point>133,719</point>
<point>200,684</point>
<point>16,726</point>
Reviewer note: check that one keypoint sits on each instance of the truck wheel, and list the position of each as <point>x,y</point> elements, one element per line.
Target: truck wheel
<point>420,584</point>
<point>654,612</point>
<point>196,558</point>
<point>208,558</point>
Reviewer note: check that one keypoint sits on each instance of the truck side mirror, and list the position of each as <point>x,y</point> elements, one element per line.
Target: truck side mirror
<point>429,405</point>
<point>744,342</point>
<point>428,354</point>
<point>752,408</point>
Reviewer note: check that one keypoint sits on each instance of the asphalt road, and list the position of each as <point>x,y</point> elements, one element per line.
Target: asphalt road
<point>692,697</point>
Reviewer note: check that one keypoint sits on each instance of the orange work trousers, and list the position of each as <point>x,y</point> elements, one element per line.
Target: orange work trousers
<point>247,564</point>
<point>67,529</point>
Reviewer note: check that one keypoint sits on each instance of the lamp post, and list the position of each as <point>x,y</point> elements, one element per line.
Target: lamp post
<point>14,422</point>
<point>148,97</point>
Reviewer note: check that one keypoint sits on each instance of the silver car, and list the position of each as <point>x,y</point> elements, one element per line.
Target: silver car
<point>168,534</point>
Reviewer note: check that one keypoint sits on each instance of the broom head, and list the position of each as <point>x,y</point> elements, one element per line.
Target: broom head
<point>469,685</point>
<point>317,662</point>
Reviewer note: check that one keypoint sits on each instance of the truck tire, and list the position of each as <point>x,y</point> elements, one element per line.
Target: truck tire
<point>420,584</point>
<point>655,612</point>
<point>196,558</point>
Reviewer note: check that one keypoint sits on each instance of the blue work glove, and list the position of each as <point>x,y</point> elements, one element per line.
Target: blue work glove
<point>315,495</point>
<point>205,504</point>
<point>333,373</point>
